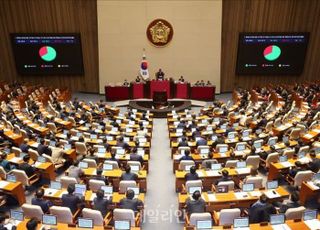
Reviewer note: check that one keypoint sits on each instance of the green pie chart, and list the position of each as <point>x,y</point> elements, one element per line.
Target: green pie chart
<point>272,52</point>
<point>47,53</point>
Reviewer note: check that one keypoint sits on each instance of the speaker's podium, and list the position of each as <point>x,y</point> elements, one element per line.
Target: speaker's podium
<point>160,86</point>
<point>160,99</point>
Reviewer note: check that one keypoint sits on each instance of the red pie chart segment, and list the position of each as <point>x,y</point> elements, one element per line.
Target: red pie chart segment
<point>47,53</point>
<point>272,52</point>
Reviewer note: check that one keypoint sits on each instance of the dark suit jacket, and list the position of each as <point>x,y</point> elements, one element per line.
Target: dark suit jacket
<point>223,179</point>
<point>190,176</point>
<point>30,171</point>
<point>101,205</point>
<point>285,207</point>
<point>129,176</point>
<point>184,158</point>
<point>102,178</point>
<point>195,206</point>
<point>202,141</point>
<point>24,148</point>
<point>71,201</point>
<point>136,157</point>
<point>183,144</point>
<point>44,204</point>
<point>314,165</point>
<point>44,149</point>
<point>130,204</point>
<point>261,213</point>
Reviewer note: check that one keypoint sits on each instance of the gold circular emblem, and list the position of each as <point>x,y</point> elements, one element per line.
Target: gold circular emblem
<point>159,32</point>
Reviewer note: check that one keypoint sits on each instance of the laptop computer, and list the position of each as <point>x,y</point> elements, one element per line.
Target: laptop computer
<point>222,189</point>
<point>53,143</point>
<point>122,224</point>
<point>187,168</point>
<point>41,159</point>
<point>93,136</point>
<point>272,184</point>
<point>120,151</point>
<point>80,189</point>
<point>241,164</point>
<point>216,167</point>
<point>83,165</point>
<point>49,219</point>
<point>277,219</point>
<point>136,191</point>
<point>192,189</point>
<point>107,167</point>
<point>223,149</point>
<point>135,168</point>
<point>11,178</point>
<point>101,150</point>
<point>241,222</point>
<point>67,147</point>
<point>248,187</point>
<point>241,147</point>
<point>203,224</point>
<point>108,190</point>
<point>310,214</point>
<point>16,215</point>
<point>283,159</point>
<point>55,185</point>
<point>85,223</point>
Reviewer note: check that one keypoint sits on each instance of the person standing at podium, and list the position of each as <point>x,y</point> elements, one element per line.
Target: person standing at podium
<point>160,75</point>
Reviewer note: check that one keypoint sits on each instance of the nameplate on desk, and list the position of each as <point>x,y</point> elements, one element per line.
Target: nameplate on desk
<point>241,195</point>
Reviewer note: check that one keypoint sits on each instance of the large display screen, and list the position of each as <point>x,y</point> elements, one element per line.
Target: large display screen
<point>271,53</point>
<point>47,54</point>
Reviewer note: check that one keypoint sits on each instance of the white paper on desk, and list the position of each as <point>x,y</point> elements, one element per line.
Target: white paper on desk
<point>36,164</point>
<point>223,154</point>
<point>213,173</point>
<point>63,136</point>
<point>101,155</point>
<point>9,226</point>
<point>316,130</point>
<point>241,195</point>
<point>313,224</point>
<point>200,173</point>
<point>50,192</point>
<point>255,193</point>
<point>281,227</point>
<point>243,170</point>
<point>177,157</point>
<point>304,160</point>
<point>212,197</point>
<point>271,195</point>
<point>16,159</point>
<point>286,164</point>
<point>3,184</point>
<point>312,185</point>
<point>35,145</point>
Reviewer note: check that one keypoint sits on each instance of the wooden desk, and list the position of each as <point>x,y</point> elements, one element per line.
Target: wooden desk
<point>307,191</point>
<point>16,190</point>
<point>222,199</point>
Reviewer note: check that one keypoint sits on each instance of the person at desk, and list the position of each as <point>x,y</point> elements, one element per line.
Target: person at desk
<point>24,146</point>
<point>128,175</point>
<point>225,177</point>
<point>182,125</point>
<point>186,156</point>
<point>314,165</point>
<point>183,142</point>
<point>209,83</point>
<point>30,171</point>
<point>92,155</point>
<point>105,144</point>
<point>75,171</point>
<point>181,79</point>
<point>43,148</point>
<point>294,170</point>
<point>261,210</point>
<point>313,202</point>
<point>72,201</point>
<point>201,141</point>
<point>160,75</point>
<point>192,175</point>
<point>32,224</point>
<point>121,143</point>
<point>134,156</point>
<point>196,204</point>
<point>292,203</point>
<point>196,133</point>
<point>2,223</point>
<point>126,83</point>
<point>113,157</point>
<point>138,79</point>
<point>38,200</point>
<point>5,163</point>
<point>129,202</point>
<point>99,176</point>
<point>101,204</point>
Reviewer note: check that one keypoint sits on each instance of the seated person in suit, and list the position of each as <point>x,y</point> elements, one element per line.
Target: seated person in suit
<point>292,203</point>
<point>128,175</point>
<point>201,141</point>
<point>261,210</point>
<point>43,148</point>
<point>183,142</point>
<point>72,201</point>
<point>181,79</point>
<point>313,202</point>
<point>101,204</point>
<point>24,146</point>
<point>105,144</point>
<point>38,200</point>
<point>138,79</point>
<point>207,163</point>
<point>32,224</point>
<point>186,156</point>
<point>208,83</point>
<point>30,171</point>
<point>75,171</point>
<point>196,133</point>
<point>225,177</point>
<point>294,170</point>
<point>3,225</point>
<point>134,156</point>
<point>196,204</point>
<point>160,75</point>
<point>129,202</point>
<point>192,175</point>
<point>113,157</point>
<point>314,165</point>
<point>253,174</point>
<point>99,176</point>
<point>5,163</point>
<point>122,143</point>
<point>181,125</point>
<point>92,155</point>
